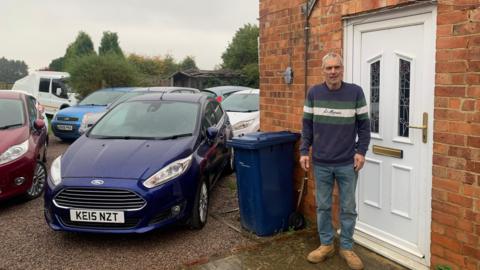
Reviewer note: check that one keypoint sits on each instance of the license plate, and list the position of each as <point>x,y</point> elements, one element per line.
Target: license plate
<point>99,216</point>
<point>65,127</point>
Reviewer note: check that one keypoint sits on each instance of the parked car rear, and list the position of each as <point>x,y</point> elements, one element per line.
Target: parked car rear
<point>66,122</point>
<point>242,108</point>
<point>222,92</point>
<point>23,146</point>
<point>90,118</point>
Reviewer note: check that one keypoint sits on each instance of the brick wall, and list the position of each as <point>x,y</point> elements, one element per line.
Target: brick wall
<point>456,160</point>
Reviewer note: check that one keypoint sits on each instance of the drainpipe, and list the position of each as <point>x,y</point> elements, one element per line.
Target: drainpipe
<point>307,10</point>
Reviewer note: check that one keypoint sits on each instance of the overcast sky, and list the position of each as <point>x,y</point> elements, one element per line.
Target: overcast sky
<point>38,31</point>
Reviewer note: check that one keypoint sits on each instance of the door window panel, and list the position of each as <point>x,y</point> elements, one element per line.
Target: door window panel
<point>44,85</point>
<point>404,98</point>
<point>375,96</point>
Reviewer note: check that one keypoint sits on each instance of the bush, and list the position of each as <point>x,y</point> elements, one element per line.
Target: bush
<point>92,72</point>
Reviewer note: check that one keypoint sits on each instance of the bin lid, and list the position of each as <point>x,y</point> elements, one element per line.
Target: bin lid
<point>256,140</point>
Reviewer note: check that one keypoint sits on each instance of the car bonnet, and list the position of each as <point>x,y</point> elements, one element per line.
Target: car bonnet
<point>126,159</point>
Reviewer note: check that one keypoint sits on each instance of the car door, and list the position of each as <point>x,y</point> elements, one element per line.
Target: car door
<point>214,154</point>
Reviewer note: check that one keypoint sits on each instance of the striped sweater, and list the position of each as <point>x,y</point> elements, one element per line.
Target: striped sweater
<point>332,119</point>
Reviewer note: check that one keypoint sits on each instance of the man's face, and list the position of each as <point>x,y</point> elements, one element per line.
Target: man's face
<point>333,71</point>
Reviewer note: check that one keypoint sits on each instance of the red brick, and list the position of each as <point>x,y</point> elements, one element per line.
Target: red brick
<point>447,208</point>
<point>446,184</point>
<point>460,200</point>
<point>473,79</point>
<point>471,251</point>
<point>452,42</point>
<point>444,30</point>
<point>466,28</point>
<point>468,105</point>
<point>459,127</point>
<point>446,242</point>
<point>455,257</point>
<point>441,149</point>
<point>449,54</point>
<point>452,17</point>
<point>454,103</point>
<point>473,53</point>
<point>473,141</point>
<point>458,66</point>
<point>448,138</point>
<point>462,152</point>
<point>474,66</point>
<point>473,91</point>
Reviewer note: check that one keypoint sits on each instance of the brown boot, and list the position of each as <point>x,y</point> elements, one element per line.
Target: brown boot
<point>352,259</point>
<point>321,253</point>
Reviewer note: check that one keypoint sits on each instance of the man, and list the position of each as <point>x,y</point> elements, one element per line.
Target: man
<point>335,113</point>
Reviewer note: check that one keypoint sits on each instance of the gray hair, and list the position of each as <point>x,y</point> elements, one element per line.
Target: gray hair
<point>331,55</point>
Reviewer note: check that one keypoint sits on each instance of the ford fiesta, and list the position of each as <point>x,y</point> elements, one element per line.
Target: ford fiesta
<point>23,146</point>
<point>149,162</point>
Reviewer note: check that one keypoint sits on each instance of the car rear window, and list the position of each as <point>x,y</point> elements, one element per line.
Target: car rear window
<point>11,113</point>
<point>148,119</point>
<point>241,103</point>
<point>101,98</point>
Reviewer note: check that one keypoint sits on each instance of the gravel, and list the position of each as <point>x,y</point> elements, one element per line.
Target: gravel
<point>26,241</point>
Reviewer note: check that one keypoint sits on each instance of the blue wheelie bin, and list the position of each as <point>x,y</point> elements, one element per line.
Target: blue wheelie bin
<point>264,169</point>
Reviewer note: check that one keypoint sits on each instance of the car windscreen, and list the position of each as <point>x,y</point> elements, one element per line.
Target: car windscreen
<point>154,119</point>
<point>241,103</point>
<point>11,113</point>
<point>101,98</point>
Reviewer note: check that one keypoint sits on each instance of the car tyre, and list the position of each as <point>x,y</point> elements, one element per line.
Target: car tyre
<point>230,166</point>
<point>39,181</point>
<point>199,215</point>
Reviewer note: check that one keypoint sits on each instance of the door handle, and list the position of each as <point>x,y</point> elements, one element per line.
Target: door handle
<point>423,127</point>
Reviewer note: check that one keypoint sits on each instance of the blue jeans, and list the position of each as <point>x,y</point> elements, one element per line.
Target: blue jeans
<point>346,178</point>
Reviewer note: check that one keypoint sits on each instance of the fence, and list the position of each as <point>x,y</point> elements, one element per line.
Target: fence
<point>4,85</point>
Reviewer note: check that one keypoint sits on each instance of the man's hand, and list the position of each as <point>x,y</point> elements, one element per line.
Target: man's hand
<point>359,161</point>
<point>305,162</point>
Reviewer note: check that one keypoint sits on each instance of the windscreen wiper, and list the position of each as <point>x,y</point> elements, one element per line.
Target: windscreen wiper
<point>173,137</point>
<point>10,126</point>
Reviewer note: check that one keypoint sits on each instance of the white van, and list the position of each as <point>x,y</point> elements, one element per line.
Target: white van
<point>50,89</point>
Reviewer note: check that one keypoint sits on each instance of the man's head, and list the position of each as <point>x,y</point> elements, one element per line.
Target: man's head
<point>332,67</point>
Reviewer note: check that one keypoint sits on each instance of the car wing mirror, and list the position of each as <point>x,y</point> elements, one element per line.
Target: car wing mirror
<point>212,133</point>
<point>39,124</point>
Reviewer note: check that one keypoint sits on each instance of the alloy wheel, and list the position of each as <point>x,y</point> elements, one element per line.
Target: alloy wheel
<point>39,179</point>
<point>203,203</point>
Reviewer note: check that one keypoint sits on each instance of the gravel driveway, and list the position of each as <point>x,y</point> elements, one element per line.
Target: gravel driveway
<point>26,242</point>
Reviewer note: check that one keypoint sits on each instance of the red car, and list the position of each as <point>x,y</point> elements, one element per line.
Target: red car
<point>23,146</point>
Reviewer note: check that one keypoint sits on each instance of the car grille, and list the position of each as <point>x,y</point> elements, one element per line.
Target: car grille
<point>129,223</point>
<point>112,199</point>
<point>66,118</point>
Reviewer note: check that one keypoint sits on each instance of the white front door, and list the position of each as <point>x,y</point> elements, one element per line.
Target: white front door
<point>391,56</point>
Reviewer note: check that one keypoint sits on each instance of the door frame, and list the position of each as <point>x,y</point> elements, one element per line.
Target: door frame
<point>408,259</point>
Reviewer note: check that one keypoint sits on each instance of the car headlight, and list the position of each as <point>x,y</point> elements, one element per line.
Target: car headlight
<point>169,172</point>
<point>14,152</point>
<point>243,124</point>
<point>56,172</point>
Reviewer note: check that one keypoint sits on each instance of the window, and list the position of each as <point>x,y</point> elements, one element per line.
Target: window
<point>63,89</point>
<point>375,96</point>
<point>44,85</point>
<point>404,98</point>
<point>32,110</point>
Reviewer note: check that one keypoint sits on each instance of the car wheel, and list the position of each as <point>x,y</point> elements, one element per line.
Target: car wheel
<point>231,163</point>
<point>38,182</point>
<point>44,159</point>
<point>200,207</point>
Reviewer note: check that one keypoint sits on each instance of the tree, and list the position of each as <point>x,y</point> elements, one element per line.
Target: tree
<point>82,46</point>
<point>12,70</point>
<point>243,49</point>
<point>109,44</point>
<point>57,64</point>
<point>93,72</point>
<point>188,63</point>
<point>242,54</point>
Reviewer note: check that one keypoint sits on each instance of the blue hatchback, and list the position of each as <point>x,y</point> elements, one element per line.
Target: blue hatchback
<point>66,122</point>
<point>149,162</point>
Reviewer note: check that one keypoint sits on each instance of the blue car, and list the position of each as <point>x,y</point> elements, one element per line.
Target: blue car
<point>149,162</point>
<point>66,122</point>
